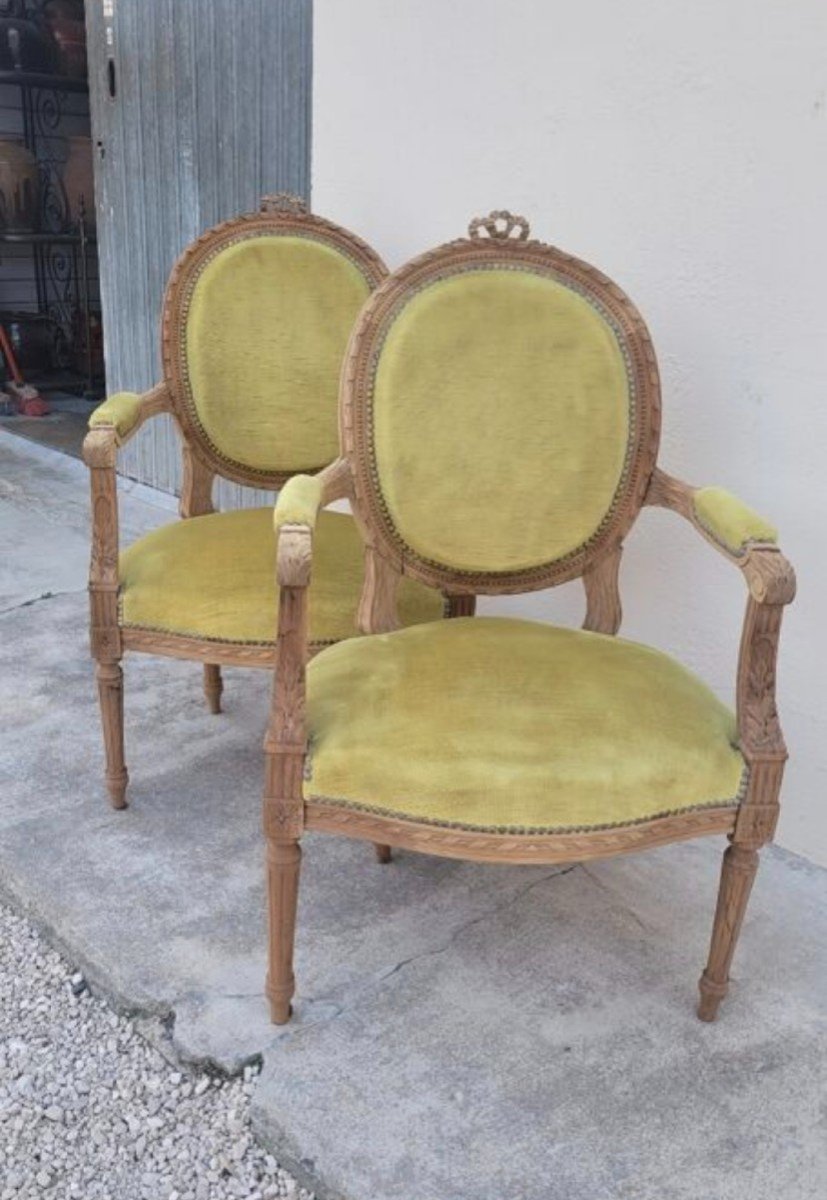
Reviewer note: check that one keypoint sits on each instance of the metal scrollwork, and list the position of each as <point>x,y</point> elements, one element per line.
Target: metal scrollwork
<point>60,245</point>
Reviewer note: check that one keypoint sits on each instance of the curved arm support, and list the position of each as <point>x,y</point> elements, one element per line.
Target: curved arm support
<point>304,496</point>
<point>110,426</point>
<point>771,582</point>
<point>770,577</point>
<point>297,508</point>
<point>125,412</point>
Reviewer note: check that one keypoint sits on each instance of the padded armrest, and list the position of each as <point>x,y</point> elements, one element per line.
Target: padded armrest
<point>124,412</point>
<point>119,412</point>
<point>729,521</point>
<point>299,501</point>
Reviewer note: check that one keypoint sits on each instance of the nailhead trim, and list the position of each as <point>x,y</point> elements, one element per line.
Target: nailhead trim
<point>540,569</point>
<point>264,473</point>
<point>392,814</point>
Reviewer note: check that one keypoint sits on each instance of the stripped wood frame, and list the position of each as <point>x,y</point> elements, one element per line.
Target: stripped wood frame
<point>771,585</point>
<point>281,214</point>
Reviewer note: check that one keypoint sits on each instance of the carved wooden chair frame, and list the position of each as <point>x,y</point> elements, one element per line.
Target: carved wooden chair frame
<point>503,239</point>
<point>281,214</point>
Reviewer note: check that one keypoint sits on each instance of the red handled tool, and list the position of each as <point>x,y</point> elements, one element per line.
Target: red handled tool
<point>28,400</point>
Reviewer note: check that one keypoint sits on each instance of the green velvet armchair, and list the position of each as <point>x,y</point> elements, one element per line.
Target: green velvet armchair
<point>255,322</point>
<point>500,412</point>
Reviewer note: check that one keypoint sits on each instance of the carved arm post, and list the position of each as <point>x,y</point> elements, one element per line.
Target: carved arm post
<point>771,582</point>
<point>285,743</point>
<point>100,451</point>
<point>112,424</point>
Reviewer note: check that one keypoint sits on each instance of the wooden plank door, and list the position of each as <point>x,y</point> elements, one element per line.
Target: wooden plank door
<point>199,107</point>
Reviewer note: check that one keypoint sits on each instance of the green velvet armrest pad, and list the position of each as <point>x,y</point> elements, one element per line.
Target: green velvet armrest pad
<point>299,501</point>
<point>119,412</point>
<point>729,521</point>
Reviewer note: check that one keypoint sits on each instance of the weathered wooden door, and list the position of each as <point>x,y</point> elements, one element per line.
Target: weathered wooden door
<point>199,107</point>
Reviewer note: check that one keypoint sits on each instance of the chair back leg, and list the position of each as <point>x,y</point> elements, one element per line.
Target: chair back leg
<point>464,605</point>
<point>213,686</point>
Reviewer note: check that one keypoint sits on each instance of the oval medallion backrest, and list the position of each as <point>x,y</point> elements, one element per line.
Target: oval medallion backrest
<point>500,409</point>
<point>256,319</point>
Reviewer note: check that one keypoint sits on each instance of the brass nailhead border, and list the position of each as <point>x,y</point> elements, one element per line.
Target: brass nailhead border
<point>262,473</point>
<point>392,316</point>
<point>526,830</point>
<point>396,815</point>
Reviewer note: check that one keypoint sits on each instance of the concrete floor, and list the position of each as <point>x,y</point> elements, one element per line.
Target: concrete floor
<point>463,1032</point>
<point>63,429</point>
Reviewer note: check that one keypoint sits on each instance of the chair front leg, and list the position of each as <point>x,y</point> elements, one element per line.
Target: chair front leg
<point>283,865</point>
<point>737,875</point>
<point>110,691</point>
<point>754,827</point>
<point>283,821</point>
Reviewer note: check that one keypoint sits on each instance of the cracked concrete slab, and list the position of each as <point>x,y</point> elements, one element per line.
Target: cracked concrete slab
<point>554,1052</point>
<point>462,1031</point>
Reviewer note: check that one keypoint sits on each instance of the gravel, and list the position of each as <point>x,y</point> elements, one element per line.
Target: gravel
<point>89,1108</point>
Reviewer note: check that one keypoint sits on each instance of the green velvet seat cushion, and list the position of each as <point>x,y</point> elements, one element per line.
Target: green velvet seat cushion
<point>214,577</point>
<point>499,724</point>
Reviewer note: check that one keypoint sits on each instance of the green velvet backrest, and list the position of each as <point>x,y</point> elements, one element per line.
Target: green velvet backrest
<point>504,412</point>
<point>258,315</point>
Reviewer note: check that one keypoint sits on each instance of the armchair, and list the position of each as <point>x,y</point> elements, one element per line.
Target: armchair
<point>500,414</point>
<point>256,317</point>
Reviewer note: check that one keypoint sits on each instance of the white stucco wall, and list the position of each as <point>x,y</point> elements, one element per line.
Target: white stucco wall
<point>683,149</point>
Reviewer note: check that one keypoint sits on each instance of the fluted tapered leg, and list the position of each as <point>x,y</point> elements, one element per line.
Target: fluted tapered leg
<point>213,686</point>
<point>283,864</point>
<point>737,875</point>
<point>110,691</point>
<point>383,853</point>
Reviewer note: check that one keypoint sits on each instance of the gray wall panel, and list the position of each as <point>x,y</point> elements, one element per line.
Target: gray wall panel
<point>212,110</point>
